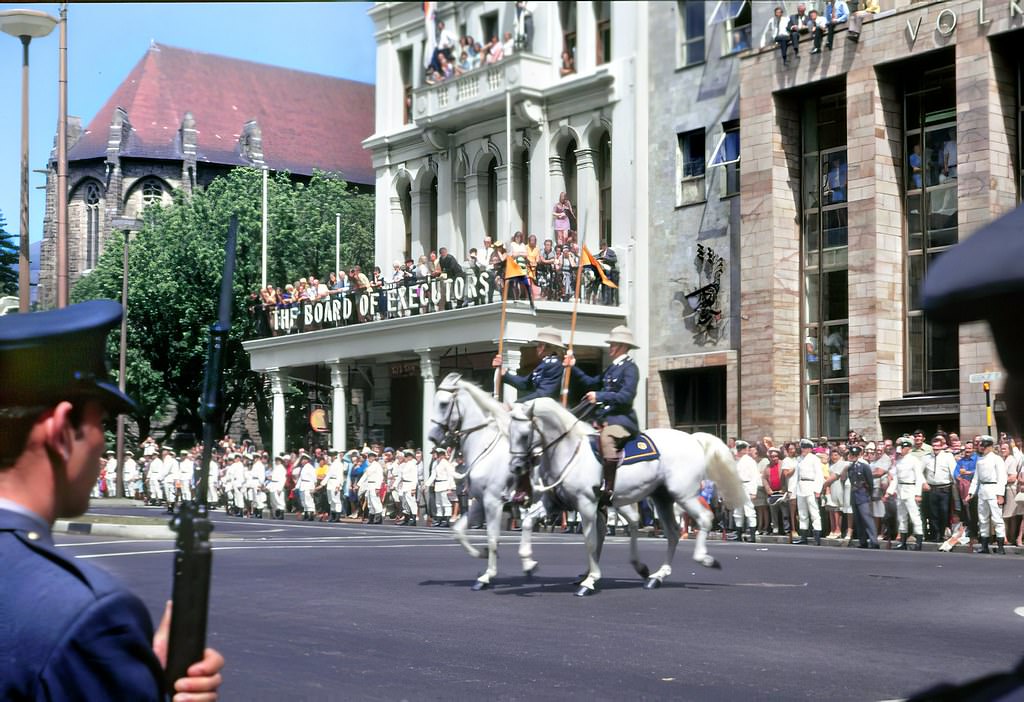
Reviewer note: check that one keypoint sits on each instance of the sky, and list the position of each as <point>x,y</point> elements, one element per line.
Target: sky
<point>105,41</point>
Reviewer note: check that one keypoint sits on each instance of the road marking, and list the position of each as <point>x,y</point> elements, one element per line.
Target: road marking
<point>277,547</point>
<point>771,584</point>
<point>1019,611</point>
<point>111,540</point>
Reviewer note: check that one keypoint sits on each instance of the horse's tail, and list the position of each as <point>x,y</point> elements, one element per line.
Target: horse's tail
<point>721,468</point>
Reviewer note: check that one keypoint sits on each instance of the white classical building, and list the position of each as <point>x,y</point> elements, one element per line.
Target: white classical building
<point>486,153</point>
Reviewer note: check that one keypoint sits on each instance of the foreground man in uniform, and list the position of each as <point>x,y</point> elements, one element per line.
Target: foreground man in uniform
<point>981,278</point>
<point>70,631</point>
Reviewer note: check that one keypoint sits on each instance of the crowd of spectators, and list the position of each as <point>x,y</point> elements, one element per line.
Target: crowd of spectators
<point>817,25</point>
<point>379,482</point>
<point>551,275</point>
<point>454,56</point>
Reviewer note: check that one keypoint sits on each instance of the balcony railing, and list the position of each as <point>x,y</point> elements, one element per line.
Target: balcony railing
<point>415,297</point>
<point>481,92</point>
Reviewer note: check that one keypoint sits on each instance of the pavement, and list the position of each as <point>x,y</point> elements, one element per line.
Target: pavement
<point>349,611</point>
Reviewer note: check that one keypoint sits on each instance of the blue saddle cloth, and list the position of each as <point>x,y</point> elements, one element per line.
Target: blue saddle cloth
<point>637,450</point>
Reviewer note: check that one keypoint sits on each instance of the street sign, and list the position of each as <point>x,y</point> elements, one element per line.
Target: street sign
<point>985,377</point>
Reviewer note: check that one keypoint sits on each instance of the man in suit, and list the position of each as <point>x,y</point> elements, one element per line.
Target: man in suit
<point>452,271</point>
<point>70,630</point>
<point>798,24</point>
<point>615,414</point>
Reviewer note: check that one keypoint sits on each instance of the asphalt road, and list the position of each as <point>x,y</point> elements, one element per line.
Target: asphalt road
<point>322,611</point>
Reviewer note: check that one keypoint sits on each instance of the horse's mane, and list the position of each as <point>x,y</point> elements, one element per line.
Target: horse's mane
<point>487,404</point>
<point>567,420</point>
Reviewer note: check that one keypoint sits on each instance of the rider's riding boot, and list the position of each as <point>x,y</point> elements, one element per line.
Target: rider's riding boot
<point>1001,543</point>
<point>817,537</point>
<point>902,545</point>
<point>607,489</point>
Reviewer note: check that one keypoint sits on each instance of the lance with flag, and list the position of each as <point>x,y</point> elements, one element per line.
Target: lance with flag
<point>586,259</point>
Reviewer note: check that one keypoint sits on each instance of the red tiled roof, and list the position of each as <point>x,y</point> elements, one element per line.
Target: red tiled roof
<point>308,121</point>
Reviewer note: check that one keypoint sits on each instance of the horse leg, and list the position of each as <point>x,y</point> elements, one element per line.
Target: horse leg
<point>492,510</point>
<point>459,529</point>
<point>538,510</point>
<point>665,507</point>
<point>702,515</point>
<point>632,517</point>
<point>588,516</point>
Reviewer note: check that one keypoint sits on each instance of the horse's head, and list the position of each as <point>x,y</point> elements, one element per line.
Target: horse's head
<point>447,417</point>
<point>524,439</point>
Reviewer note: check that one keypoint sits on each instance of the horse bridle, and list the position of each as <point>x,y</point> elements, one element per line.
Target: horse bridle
<point>543,448</point>
<point>455,437</point>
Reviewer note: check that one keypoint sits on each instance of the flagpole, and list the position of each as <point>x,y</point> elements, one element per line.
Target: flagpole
<point>572,332</point>
<point>263,233</point>
<point>501,341</point>
<point>508,162</point>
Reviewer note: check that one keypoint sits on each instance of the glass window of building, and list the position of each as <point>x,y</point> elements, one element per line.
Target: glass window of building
<point>92,225</point>
<point>567,17</point>
<point>603,13</point>
<point>727,156</point>
<point>734,18</point>
<point>931,216</point>
<point>691,32</point>
<point>825,359</point>
<point>406,73</point>
<point>489,26</point>
<point>152,192</point>
<point>690,167</point>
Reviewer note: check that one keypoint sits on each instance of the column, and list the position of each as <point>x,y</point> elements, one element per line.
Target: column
<point>586,38</point>
<point>446,203</point>
<point>420,223</point>
<point>518,195</point>
<point>390,242</point>
<point>504,234</point>
<point>278,387</point>
<point>475,226</point>
<point>428,372</point>
<point>587,196</point>
<point>512,354</point>
<point>339,406</point>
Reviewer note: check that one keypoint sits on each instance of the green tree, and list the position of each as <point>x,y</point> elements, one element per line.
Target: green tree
<point>175,266</point>
<point>8,260</point>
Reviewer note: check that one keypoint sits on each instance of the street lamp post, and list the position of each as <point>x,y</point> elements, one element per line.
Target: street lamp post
<point>26,25</point>
<point>126,225</point>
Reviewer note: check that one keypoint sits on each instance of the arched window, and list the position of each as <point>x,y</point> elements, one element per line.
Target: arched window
<point>604,183</point>
<point>92,225</point>
<point>152,192</point>
<point>492,199</point>
<point>569,174</point>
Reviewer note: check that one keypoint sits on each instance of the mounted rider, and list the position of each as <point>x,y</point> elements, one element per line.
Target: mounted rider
<point>615,414</point>
<point>546,379</point>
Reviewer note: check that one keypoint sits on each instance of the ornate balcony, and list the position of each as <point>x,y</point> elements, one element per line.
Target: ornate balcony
<point>480,93</point>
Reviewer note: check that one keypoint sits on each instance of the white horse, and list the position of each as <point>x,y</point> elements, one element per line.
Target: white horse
<point>568,476</point>
<point>466,415</point>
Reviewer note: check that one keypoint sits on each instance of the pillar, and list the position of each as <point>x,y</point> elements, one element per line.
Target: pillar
<point>420,222</point>
<point>587,198</point>
<point>278,387</point>
<point>504,233</point>
<point>447,231</point>
<point>511,356</point>
<point>475,190</point>
<point>339,415</point>
<point>429,367</point>
<point>393,238</point>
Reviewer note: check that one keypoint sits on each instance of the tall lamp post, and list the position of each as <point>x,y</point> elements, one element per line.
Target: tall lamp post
<point>126,225</point>
<point>26,25</point>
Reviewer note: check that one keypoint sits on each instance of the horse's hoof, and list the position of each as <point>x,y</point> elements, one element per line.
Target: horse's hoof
<point>712,563</point>
<point>644,571</point>
<point>478,586</point>
<point>531,571</point>
<point>579,579</point>
<point>652,584</point>
<point>585,592</point>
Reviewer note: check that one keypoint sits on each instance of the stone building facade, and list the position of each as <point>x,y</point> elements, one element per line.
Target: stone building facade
<point>180,119</point>
<point>860,165</point>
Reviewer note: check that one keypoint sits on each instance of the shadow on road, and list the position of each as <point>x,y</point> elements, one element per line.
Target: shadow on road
<point>528,587</point>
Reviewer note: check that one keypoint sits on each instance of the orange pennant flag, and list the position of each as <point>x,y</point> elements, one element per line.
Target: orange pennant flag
<point>513,269</point>
<point>589,260</point>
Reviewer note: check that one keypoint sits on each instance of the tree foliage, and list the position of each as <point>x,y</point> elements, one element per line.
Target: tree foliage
<point>8,260</point>
<point>175,267</point>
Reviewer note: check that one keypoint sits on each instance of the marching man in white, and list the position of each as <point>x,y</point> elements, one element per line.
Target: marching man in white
<point>170,478</point>
<point>275,487</point>
<point>989,484</point>
<point>234,485</point>
<point>131,476</point>
<point>155,479</point>
<point>751,477</point>
<point>369,486</point>
<point>907,487</point>
<point>212,483</point>
<point>305,485</point>
<point>810,482</point>
<point>407,490</point>
<point>332,482</point>
<point>186,471</point>
<point>254,478</point>
<point>111,475</point>
<point>442,477</point>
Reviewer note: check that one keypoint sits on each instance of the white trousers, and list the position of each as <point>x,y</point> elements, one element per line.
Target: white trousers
<point>807,509</point>
<point>156,489</point>
<point>306,497</point>
<point>746,510</point>
<point>238,494</point>
<point>989,511</point>
<point>334,497</point>
<point>112,485</point>
<point>909,509</point>
<point>409,502</point>
<point>170,494</point>
<point>186,490</point>
<point>444,507</point>
<point>277,498</point>
<point>373,501</point>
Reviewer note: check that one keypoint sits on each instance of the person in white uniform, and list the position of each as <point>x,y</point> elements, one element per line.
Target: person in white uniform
<point>255,476</point>
<point>369,486</point>
<point>186,473</point>
<point>332,482</point>
<point>110,474</point>
<point>132,476</point>
<point>407,487</point>
<point>907,486</point>
<point>155,480</point>
<point>748,471</point>
<point>989,484</point>
<point>442,477</point>
<point>275,487</point>
<point>234,484</point>
<point>170,478</point>
<point>304,485</point>
<point>809,484</point>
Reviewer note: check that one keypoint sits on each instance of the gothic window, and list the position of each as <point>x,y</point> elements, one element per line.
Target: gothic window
<point>152,192</point>
<point>92,225</point>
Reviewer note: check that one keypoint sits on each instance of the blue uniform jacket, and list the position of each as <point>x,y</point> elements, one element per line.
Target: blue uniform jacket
<point>544,381</point>
<point>618,385</point>
<point>68,631</point>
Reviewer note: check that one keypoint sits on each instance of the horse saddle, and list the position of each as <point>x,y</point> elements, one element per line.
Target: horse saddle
<point>637,450</point>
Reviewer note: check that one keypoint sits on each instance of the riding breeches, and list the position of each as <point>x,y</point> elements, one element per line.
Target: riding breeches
<point>611,436</point>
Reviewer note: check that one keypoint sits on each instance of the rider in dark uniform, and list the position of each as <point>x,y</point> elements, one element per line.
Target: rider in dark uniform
<point>615,414</point>
<point>546,379</point>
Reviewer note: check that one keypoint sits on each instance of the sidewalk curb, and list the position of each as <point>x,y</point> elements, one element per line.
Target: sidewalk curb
<point>124,531</point>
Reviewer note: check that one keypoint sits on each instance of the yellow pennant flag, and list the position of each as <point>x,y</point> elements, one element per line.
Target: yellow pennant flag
<point>589,260</point>
<point>513,269</point>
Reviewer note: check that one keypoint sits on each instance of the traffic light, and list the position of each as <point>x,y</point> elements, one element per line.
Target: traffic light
<point>985,386</point>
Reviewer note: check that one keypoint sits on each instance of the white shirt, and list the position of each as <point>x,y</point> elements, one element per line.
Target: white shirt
<point>989,476</point>
<point>810,478</point>
<point>909,476</point>
<point>939,467</point>
<point>749,474</point>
